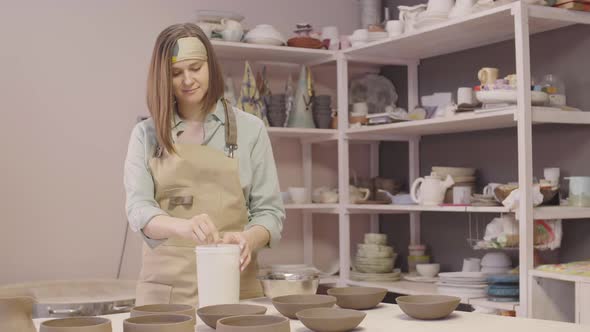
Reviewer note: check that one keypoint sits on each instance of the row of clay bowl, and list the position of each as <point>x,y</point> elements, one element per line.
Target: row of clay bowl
<point>314,311</point>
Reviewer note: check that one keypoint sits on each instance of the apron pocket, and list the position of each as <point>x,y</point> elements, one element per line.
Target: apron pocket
<point>152,293</point>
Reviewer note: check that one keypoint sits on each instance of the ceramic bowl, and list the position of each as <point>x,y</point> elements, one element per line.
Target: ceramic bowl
<point>496,259</point>
<point>159,323</point>
<point>77,324</point>
<point>428,270</point>
<point>330,319</point>
<point>376,238</point>
<point>289,283</point>
<point>495,270</point>
<point>164,309</point>
<point>211,314</point>
<point>255,323</point>
<point>289,305</point>
<point>359,298</point>
<point>264,34</point>
<point>298,194</point>
<point>428,306</point>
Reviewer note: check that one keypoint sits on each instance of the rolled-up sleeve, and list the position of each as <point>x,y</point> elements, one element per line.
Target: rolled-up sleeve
<point>140,205</point>
<point>265,203</point>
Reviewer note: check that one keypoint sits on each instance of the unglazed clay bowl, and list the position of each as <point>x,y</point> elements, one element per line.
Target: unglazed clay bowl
<point>211,314</point>
<point>289,305</point>
<point>77,324</point>
<point>330,319</point>
<point>255,323</point>
<point>159,323</point>
<point>359,298</point>
<point>428,306</point>
<point>164,309</point>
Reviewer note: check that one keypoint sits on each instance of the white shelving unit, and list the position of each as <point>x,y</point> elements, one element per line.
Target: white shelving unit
<point>515,21</point>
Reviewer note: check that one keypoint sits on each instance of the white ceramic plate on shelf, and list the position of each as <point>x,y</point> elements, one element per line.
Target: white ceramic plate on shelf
<point>420,279</point>
<point>509,96</point>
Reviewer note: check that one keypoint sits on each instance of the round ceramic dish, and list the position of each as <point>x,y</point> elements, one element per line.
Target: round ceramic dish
<point>211,314</point>
<point>509,96</point>
<point>159,323</point>
<point>359,298</point>
<point>256,323</point>
<point>291,304</point>
<point>77,324</point>
<point>330,319</point>
<point>168,309</point>
<point>288,283</point>
<point>428,306</point>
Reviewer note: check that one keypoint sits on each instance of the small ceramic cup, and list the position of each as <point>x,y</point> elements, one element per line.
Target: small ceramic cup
<point>394,28</point>
<point>471,264</point>
<point>552,175</point>
<point>298,195</point>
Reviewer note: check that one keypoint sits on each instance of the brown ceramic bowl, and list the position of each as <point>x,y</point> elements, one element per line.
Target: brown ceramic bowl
<point>77,324</point>
<point>428,306</point>
<point>330,319</point>
<point>255,323</point>
<point>359,298</point>
<point>289,305</point>
<point>305,42</point>
<point>211,314</point>
<point>159,323</point>
<point>164,309</point>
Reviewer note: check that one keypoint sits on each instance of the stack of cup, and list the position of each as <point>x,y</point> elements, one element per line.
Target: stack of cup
<point>417,256</point>
<point>322,111</point>
<point>277,110</point>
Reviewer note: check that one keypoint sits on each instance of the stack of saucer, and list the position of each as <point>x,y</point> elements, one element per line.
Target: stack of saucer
<point>277,110</point>
<point>463,284</point>
<point>322,111</point>
<point>374,260</point>
<point>503,288</point>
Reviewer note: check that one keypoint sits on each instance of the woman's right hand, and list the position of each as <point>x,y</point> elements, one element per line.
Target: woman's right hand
<point>199,229</point>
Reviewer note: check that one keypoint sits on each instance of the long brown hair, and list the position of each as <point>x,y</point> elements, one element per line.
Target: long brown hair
<point>160,96</point>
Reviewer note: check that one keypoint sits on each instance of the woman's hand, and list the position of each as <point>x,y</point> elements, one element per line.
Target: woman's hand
<point>199,229</point>
<point>240,239</point>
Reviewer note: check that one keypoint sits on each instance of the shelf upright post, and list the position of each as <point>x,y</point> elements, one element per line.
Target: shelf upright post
<point>343,166</point>
<point>374,172</point>
<point>307,215</point>
<point>525,152</point>
<point>413,148</point>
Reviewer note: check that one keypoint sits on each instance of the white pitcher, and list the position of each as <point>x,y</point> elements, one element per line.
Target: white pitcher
<point>408,15</point>
<point>432,189</point>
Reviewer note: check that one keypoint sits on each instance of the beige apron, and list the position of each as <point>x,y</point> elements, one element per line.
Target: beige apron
<point>198,179</point>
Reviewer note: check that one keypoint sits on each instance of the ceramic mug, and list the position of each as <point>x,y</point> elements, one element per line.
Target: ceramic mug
<point>394,28</point>
<point>487,75</point>
<point>360,35</point>
<point>359,194</point>
<point>465,96</point>
<point>360,109</point>
<point>471,264</point>
<point>462,195</point>
<point>552,174</point>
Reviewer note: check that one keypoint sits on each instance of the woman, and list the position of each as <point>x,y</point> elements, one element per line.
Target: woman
<point>197,172</point>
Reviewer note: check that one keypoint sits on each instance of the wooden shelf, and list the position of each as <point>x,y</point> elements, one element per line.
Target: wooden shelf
<point>461,34</point>
<point>400,209</point>
<point>558,276</point>
<point>305,134</point>
<point>325,208</point>
<point>466,122</point>
<point>561,212</point>
<point>281,54</point>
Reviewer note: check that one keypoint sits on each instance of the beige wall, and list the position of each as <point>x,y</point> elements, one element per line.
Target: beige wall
<point>72,77</point>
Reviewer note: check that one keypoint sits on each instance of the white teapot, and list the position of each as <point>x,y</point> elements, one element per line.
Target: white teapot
<point>432,189</point>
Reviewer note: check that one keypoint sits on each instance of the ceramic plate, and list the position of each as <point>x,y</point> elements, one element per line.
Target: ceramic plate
<point>509,96</point>
<point>217,15</point>
<point>429,20</point>
<point>421,279</point>
<point>470,275</point>
<point>474,286</point>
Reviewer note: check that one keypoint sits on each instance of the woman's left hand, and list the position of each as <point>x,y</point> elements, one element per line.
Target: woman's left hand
<point>240,239</point>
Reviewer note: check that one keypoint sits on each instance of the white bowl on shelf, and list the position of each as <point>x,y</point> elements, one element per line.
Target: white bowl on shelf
<point>264,34</point>
<point>428,270</point>
<point>496,259</point>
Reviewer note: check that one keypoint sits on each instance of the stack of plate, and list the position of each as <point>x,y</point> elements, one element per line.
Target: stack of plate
<point>463,284</point>
<point>503,288</point>
<point>322,112</point>
<point>374,260</point>
<point>277,110</point>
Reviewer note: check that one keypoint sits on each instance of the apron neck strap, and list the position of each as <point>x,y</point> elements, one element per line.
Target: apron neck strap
<point>231,130</point>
